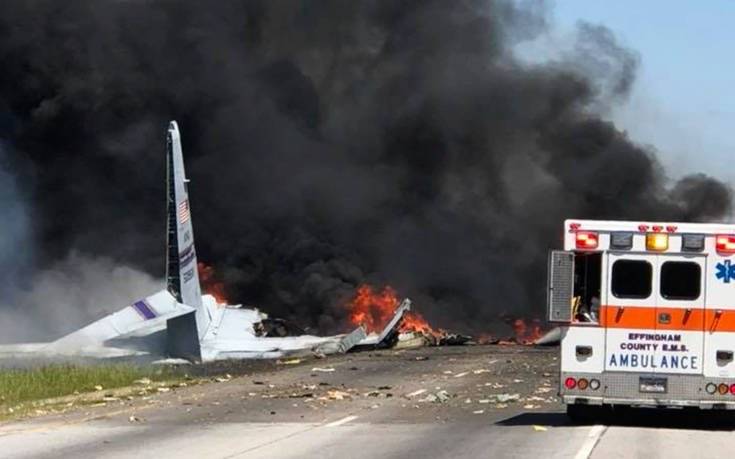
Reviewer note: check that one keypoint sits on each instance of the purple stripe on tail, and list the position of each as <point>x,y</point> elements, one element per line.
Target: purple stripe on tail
<point>144,310</point>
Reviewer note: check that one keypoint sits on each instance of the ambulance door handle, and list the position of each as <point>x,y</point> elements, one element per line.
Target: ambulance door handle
<point>583,351</point>
<point>664,318</point>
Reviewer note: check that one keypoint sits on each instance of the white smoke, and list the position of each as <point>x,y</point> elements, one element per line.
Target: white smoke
<point>43,304</point>
<point>70,294</point>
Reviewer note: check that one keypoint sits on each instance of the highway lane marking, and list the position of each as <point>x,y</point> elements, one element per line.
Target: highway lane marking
<point>593,436</point>
<point>309,428</point>
<point>339,422</point>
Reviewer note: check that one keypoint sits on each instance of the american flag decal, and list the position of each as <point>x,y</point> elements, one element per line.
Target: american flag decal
<point>184,211</point>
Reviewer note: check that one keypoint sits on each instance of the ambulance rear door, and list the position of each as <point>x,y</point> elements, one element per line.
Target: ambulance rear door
<point>630,311</point>
<point>679,338</point>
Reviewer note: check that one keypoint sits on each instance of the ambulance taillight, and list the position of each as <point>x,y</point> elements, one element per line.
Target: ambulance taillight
<point>587,240</point>
<point>725,243</point>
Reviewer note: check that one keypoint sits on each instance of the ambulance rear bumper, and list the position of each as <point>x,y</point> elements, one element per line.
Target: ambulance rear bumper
<point>673,390</point>
<point>647,402</point>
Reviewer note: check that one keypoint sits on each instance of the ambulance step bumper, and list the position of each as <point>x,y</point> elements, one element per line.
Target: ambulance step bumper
<point>645,402</point>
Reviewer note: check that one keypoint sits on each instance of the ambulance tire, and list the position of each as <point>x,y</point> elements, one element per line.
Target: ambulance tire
<point>584,413</point>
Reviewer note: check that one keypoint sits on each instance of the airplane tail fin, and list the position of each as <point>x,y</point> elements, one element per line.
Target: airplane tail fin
<point>182,278</point>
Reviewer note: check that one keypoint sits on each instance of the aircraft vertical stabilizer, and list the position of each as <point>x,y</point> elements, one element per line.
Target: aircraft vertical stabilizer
<point>182,278</point>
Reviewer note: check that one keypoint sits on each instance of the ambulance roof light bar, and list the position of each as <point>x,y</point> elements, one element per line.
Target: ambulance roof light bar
<point>725,243</point>
<point>586,240</point>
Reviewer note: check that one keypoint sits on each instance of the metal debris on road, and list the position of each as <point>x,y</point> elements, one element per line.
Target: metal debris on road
<point>440,396</point>
<point>322,370</point>
<point>338,395</point>
<point>502,398</point>
<point>415,393</point>
<point>537,428</point>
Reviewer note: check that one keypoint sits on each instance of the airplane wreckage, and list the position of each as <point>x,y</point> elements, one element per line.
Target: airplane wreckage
<point>180,322</point>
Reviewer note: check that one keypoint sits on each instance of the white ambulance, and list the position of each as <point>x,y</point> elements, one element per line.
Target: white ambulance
<point>647,313</point>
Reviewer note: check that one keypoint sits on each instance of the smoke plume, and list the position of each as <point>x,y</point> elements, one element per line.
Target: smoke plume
<point>329,143</point>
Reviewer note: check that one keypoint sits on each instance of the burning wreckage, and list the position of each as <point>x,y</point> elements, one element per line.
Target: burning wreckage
<point>180,322</point>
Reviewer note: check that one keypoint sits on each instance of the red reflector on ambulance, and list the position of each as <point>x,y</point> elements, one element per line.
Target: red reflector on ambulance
<point>725,243</point>
<point>586,240</point>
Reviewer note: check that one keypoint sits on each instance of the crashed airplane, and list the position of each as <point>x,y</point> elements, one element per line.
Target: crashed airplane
<point>180,322</point>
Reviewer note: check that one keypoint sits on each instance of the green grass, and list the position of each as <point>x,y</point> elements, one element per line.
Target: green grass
<point>23,385</point>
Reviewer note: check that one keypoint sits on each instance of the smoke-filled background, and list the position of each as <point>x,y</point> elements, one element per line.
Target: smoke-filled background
<point>329,143</point>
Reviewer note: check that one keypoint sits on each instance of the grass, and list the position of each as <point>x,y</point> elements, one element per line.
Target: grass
<point>18,386</point>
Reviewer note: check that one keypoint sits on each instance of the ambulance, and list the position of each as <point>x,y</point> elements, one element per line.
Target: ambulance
<point>647,314</point>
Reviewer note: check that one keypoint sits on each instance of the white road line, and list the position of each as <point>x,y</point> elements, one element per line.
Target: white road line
<point>589,444</point>
<point>339,422</point>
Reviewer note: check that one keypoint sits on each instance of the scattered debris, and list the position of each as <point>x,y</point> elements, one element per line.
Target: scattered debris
<point>478,411</point>
<point>288,362</point>
<point>134,418</point>
<point>459,375</point>
<point>440,396</point>
<point>453,339</point>
<point>415,393</point>
<point>538,428</point>
<point>322,370</point>
<point>502,398</point>
<point>338,395</point>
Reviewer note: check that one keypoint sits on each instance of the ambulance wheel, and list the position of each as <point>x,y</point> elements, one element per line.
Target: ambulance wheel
<point>583,413</point>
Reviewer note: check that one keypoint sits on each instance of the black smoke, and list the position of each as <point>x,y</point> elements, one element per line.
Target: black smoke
<point>329,143</point>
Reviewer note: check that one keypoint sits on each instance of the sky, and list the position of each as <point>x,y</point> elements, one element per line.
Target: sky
<point>683,101</point>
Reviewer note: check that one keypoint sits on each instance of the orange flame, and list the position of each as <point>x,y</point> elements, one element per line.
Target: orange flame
<point>527,333</point>
<point>374,309</point>
<point>211,284</point>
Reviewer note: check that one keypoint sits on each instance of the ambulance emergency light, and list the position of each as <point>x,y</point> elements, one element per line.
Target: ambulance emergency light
<point>692,242</point>
<point>619,240</point>
<point>725,243</point>
<point>657,241</point>
<point>586,240</point>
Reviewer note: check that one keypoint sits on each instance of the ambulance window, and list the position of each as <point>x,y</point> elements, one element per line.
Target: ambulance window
<point>680,280</point>
<point>631,279</point>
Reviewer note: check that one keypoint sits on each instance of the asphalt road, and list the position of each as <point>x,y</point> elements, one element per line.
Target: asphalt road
<point>483,401</point>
